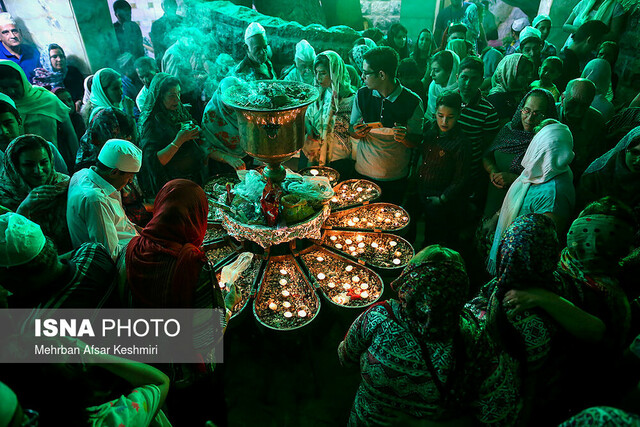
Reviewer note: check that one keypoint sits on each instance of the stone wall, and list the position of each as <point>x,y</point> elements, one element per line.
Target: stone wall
<point>384,13</point>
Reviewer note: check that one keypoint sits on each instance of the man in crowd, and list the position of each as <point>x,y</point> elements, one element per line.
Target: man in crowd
<point>13,48</point>
<point>456,12</point>
<point>37,276</point>
<point>146,69</point>
<point>585,122</point>
<point>127,32</point>
<point>256,64</point>
<point>94,209</point>
<point>585,41</point>
<point>164,30</point>
<point>387,119</point>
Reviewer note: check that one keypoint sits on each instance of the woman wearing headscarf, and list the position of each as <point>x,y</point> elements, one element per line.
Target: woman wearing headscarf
<point>106,92</point>
<point>55,72</point>
<point>545,185</point>
<point>599,72</point>
<point>30,186</point>
<point>396,38</point>
<point>608,11</point>
<point>302,69</point>
<point>459,47</point>
<point>509,84</point>
<point>491,57</point>
<point>616,174</point>
<point>328,118</point>
<point>422,50</point>
<point>444,71</point>
<point>220,130</point>
<point>414,351</point>
<point>41,111</point>
<point>169,138</point>
<point>503,160</point>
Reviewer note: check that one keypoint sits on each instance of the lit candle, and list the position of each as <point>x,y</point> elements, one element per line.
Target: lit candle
<point>404,218</point>
<point>387,220</point>
<point>398,253</point>
<point>369,190</point>
<point>331,285</point>
<point>364,294</point>
<point>378,218</point>
<point>393,243</point>
<point>288,314</point>
<point>398,214</point>
<point>354,253</point>
<point>302,313</point>
<point>350,223</point>
<point>321,276</point>
<point>320,259</point>
<point>283,271</point>
<point>286,304</point>
<point>352,248</point>
<point>283,281</point>
<point>369,224</point>
<point>348,241</point>
<point>374,245</point>
<point>356,219</point>
<point>341,299</point>
<point>364,286</point>
<point>314,172</point>
<point>334,199</point>
<point>358,238</point>
<point>359,199</point>
<point>346,286</point>
<point>349,267</point>
<point>355,279</point>
<point>361,245</point>
<point>396,261</point>
<point>273,306</point>
<point>285,293</point>
<point>333,238</point>
<point>338,246</point>
<point>359,189</point>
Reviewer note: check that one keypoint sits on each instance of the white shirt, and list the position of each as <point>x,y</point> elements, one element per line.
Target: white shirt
<point>142,97</point>
<point>95,213</point>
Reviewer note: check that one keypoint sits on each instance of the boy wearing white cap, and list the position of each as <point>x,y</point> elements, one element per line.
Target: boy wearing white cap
<point>94,205</point>
<point>256,64</point>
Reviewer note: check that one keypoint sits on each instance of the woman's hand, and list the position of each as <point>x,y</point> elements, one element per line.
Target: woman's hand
<point>522,300</point>
<point>185,135</point>
<point>234,162</point>
<point>502,179</point>
<point>36,197</point>
<point>232,298</point>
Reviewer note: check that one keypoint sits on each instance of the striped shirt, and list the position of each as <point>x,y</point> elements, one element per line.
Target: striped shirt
<point>480,122</point>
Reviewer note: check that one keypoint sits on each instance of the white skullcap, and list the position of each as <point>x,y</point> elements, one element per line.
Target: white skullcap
<point>254,29</point>
<point>529,33</point>
<point>305,52</point>
<point>540,18</point>
<point>6,19</point>
<point>7,99</point>
<point>21,240</point>
<point>519,24</point>
<point>122,155</point>
<point>9,404</point>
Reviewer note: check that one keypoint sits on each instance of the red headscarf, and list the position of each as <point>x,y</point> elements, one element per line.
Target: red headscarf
<point>176,231</point>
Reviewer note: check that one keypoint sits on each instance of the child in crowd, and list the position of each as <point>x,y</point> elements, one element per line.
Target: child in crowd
<point>442,174</point>
<point>550,70</point>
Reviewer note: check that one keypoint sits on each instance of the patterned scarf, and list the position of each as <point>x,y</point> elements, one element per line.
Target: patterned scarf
<point>47,76</point>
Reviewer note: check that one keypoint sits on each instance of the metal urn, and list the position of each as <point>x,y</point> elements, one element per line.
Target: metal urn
<point>271,120</point>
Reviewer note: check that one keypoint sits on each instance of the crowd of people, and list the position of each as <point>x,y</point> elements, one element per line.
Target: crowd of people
<point>516,159</point>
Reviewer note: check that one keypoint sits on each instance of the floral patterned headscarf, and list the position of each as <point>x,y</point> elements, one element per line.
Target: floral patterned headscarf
<point>432,294</point>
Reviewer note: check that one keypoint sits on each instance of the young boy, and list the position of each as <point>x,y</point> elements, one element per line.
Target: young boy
<point>442,176</point>
<point>549,71</point>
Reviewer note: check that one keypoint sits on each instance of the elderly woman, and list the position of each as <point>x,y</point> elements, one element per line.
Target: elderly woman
<point>30,186</point>
<point>413,351</point>
<point>55,72</point>
<point>444,71</point>
<point>599,72</point>
<point>302,69</point>
<point>220,131</point>
<point>169,138</point>
<point>41,111</point>
<point>106,92</point>
<point>503,160</point>
<point>616,174</point>
<point>509,83</point>
<point>327,119</point>
<point>422,50</point>
<point>545,185</point>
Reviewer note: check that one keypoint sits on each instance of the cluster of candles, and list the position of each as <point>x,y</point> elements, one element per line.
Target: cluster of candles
<point>330,173</point>
<point>287,298</point>
<point>214,233</point>
<point>216,255</point>
<point>380,216</point>
<point>344,282</point>
<point>243,283</point>
<point>354,192</point>
<point>378,249</point>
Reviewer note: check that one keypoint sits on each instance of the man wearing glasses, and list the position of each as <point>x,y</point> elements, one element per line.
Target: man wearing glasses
<point>387,119</point>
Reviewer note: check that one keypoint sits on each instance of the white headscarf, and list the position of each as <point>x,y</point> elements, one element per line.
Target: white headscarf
<point>254,29</point>
<point>98,98</point>
<point>549,155</point>
<point>435,89</point>
<point>599,72</point>
<point>305,52</point>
